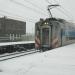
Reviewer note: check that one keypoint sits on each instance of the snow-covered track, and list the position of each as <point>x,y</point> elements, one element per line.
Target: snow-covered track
<point>17,54</point>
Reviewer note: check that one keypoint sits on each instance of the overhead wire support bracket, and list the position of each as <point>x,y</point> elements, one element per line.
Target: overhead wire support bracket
<point>50,7</point>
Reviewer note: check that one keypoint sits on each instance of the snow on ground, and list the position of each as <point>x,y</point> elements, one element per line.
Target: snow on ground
<point>60,61</point>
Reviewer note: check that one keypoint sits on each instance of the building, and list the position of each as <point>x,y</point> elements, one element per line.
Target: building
<point>11,29</point>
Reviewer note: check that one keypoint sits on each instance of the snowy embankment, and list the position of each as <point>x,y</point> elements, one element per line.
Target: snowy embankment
<point>60,61</point>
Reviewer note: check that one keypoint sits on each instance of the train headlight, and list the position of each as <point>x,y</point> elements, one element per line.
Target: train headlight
<point>45,23</point>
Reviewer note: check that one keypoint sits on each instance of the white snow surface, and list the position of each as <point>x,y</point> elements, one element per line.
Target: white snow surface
<point>14,43</point>
<point>59,61</point>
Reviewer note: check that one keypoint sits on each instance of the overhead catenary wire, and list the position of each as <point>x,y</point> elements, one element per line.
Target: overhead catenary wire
<point>20,17</point>
<point>29,8</point>
<point>51,4</point>
<point>63,8</point>
<point>60,10</point>
<point>34,5</point>
<point>64,11</point>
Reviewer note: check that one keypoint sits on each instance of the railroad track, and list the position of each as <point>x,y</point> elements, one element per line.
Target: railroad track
<point>17,54</point>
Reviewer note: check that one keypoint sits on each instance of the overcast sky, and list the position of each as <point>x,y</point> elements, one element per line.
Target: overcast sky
<point>32,10</point>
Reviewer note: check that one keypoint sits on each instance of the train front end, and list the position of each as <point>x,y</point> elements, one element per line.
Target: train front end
<point>43,35</point>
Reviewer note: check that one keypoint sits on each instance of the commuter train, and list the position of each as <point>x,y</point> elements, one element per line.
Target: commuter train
<point>52,33</point>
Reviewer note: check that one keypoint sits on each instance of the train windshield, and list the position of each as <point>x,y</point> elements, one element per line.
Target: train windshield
<point>45,37</point>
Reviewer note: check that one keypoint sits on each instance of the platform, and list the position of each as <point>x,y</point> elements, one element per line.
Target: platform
<point>59,61</point>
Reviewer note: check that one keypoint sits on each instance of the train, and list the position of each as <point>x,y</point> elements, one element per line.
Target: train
<point>53,33</point>
<point>49,34</point>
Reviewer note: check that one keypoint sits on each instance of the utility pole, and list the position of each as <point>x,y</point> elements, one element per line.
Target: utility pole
<point>50,7</point>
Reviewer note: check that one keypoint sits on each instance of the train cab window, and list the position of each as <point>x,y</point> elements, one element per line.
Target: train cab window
<point>45,37</point>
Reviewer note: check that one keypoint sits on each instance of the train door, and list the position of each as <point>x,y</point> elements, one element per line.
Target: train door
<point>46,37</point>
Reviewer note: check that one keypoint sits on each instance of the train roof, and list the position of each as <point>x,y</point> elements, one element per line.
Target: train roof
<point>56,19</point>
<point>62,22</point>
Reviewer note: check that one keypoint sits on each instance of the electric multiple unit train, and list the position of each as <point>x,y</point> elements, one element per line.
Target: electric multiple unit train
<point>52,33</point>
<point>49,33</point>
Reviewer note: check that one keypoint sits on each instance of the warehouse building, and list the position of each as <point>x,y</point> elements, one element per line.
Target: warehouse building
<point>11,30</point>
